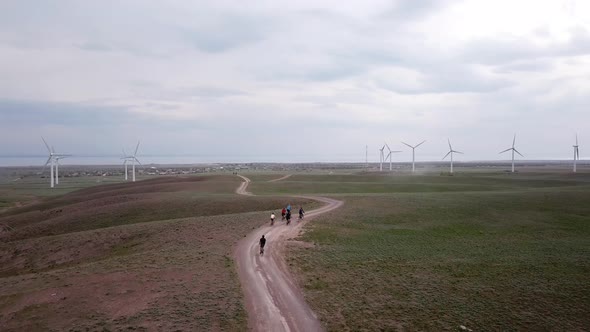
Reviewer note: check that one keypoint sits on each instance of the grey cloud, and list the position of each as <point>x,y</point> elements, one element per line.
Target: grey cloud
<point>92,115</point>
<point>55,113</point>
<point>412,9</point>
<point>94,47</point>
<point>493,51</point>
<point>445,78</point>
<point>525,66</point>
<point>227,31</point>
<point>155,90</point>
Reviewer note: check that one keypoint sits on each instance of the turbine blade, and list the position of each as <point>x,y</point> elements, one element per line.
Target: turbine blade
<point>458,152</point>
<point>518,152</point>
<point>419,144</point>
<point>407,145</point>
<point>139,162</point>
<point>514,140</point>
<point>576,139</point>
<point>388,147</point>
<point>446,155</point>
<point>47,162</point>
<point>450,147</point>
<point>137,147</point>
<point>505,150</point>
<point>47,145</point>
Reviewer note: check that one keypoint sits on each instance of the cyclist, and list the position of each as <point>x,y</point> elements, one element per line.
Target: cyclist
<point>262,243</point>
<point>301,212</point>
<point>272,218</point>
<point>288,217</point>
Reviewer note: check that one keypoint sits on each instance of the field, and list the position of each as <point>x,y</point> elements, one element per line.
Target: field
<point>150,255</point>
<point>483,249</point>
<point>489,251</point>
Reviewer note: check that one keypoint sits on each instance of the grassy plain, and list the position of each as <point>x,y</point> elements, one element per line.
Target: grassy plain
<point>490,251</point>
<point>150,255</point>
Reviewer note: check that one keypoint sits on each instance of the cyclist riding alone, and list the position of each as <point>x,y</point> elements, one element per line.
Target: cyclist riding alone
<point>272,218</point>
<point>262,243</point>
<point>301,212</point>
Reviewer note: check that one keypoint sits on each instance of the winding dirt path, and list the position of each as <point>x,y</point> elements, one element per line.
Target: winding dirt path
<point>273,300</point>
<point>242,188</point>
<point>281,178</point>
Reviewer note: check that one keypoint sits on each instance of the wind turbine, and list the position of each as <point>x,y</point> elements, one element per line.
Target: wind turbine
<point>133,159</point>
<point>513,150</point>
<point>54,161</point>
<point>413,153</point>
<point>576,154</point>
<point>125,160</point>
<point>57,158</point>
<point>451,151</point>
<point>381,158</point>
<point>389,155</point>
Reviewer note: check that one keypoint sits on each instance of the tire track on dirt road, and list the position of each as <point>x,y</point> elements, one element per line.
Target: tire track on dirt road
<point>273,300</point>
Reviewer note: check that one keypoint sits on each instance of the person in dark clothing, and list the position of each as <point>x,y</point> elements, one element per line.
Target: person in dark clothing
<point>288,217</point>
<point>301,212</point>
<point>262,243</point>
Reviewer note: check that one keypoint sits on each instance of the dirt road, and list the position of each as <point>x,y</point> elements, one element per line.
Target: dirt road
<point>242,188</point>
<point>281,178</point>
<point>273,300</point>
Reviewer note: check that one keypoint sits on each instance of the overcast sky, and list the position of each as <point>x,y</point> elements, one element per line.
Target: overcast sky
<point>295,80</point>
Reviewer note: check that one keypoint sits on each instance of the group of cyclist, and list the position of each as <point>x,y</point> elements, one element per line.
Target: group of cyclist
<point>286,215</point>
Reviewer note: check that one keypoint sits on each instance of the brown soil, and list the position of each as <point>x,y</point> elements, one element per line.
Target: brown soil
<point>113,257</point>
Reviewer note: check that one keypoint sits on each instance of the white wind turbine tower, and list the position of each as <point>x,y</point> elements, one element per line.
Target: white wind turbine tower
<point>390,155</point>
<point>413,153</point>
<point>576,154</point>
<point>513,150</point>
<point>381,158</point>
<point>451,151</point>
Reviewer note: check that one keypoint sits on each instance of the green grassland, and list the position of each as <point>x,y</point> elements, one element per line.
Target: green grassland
<point>490,251</point>
<point>348,184</point>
